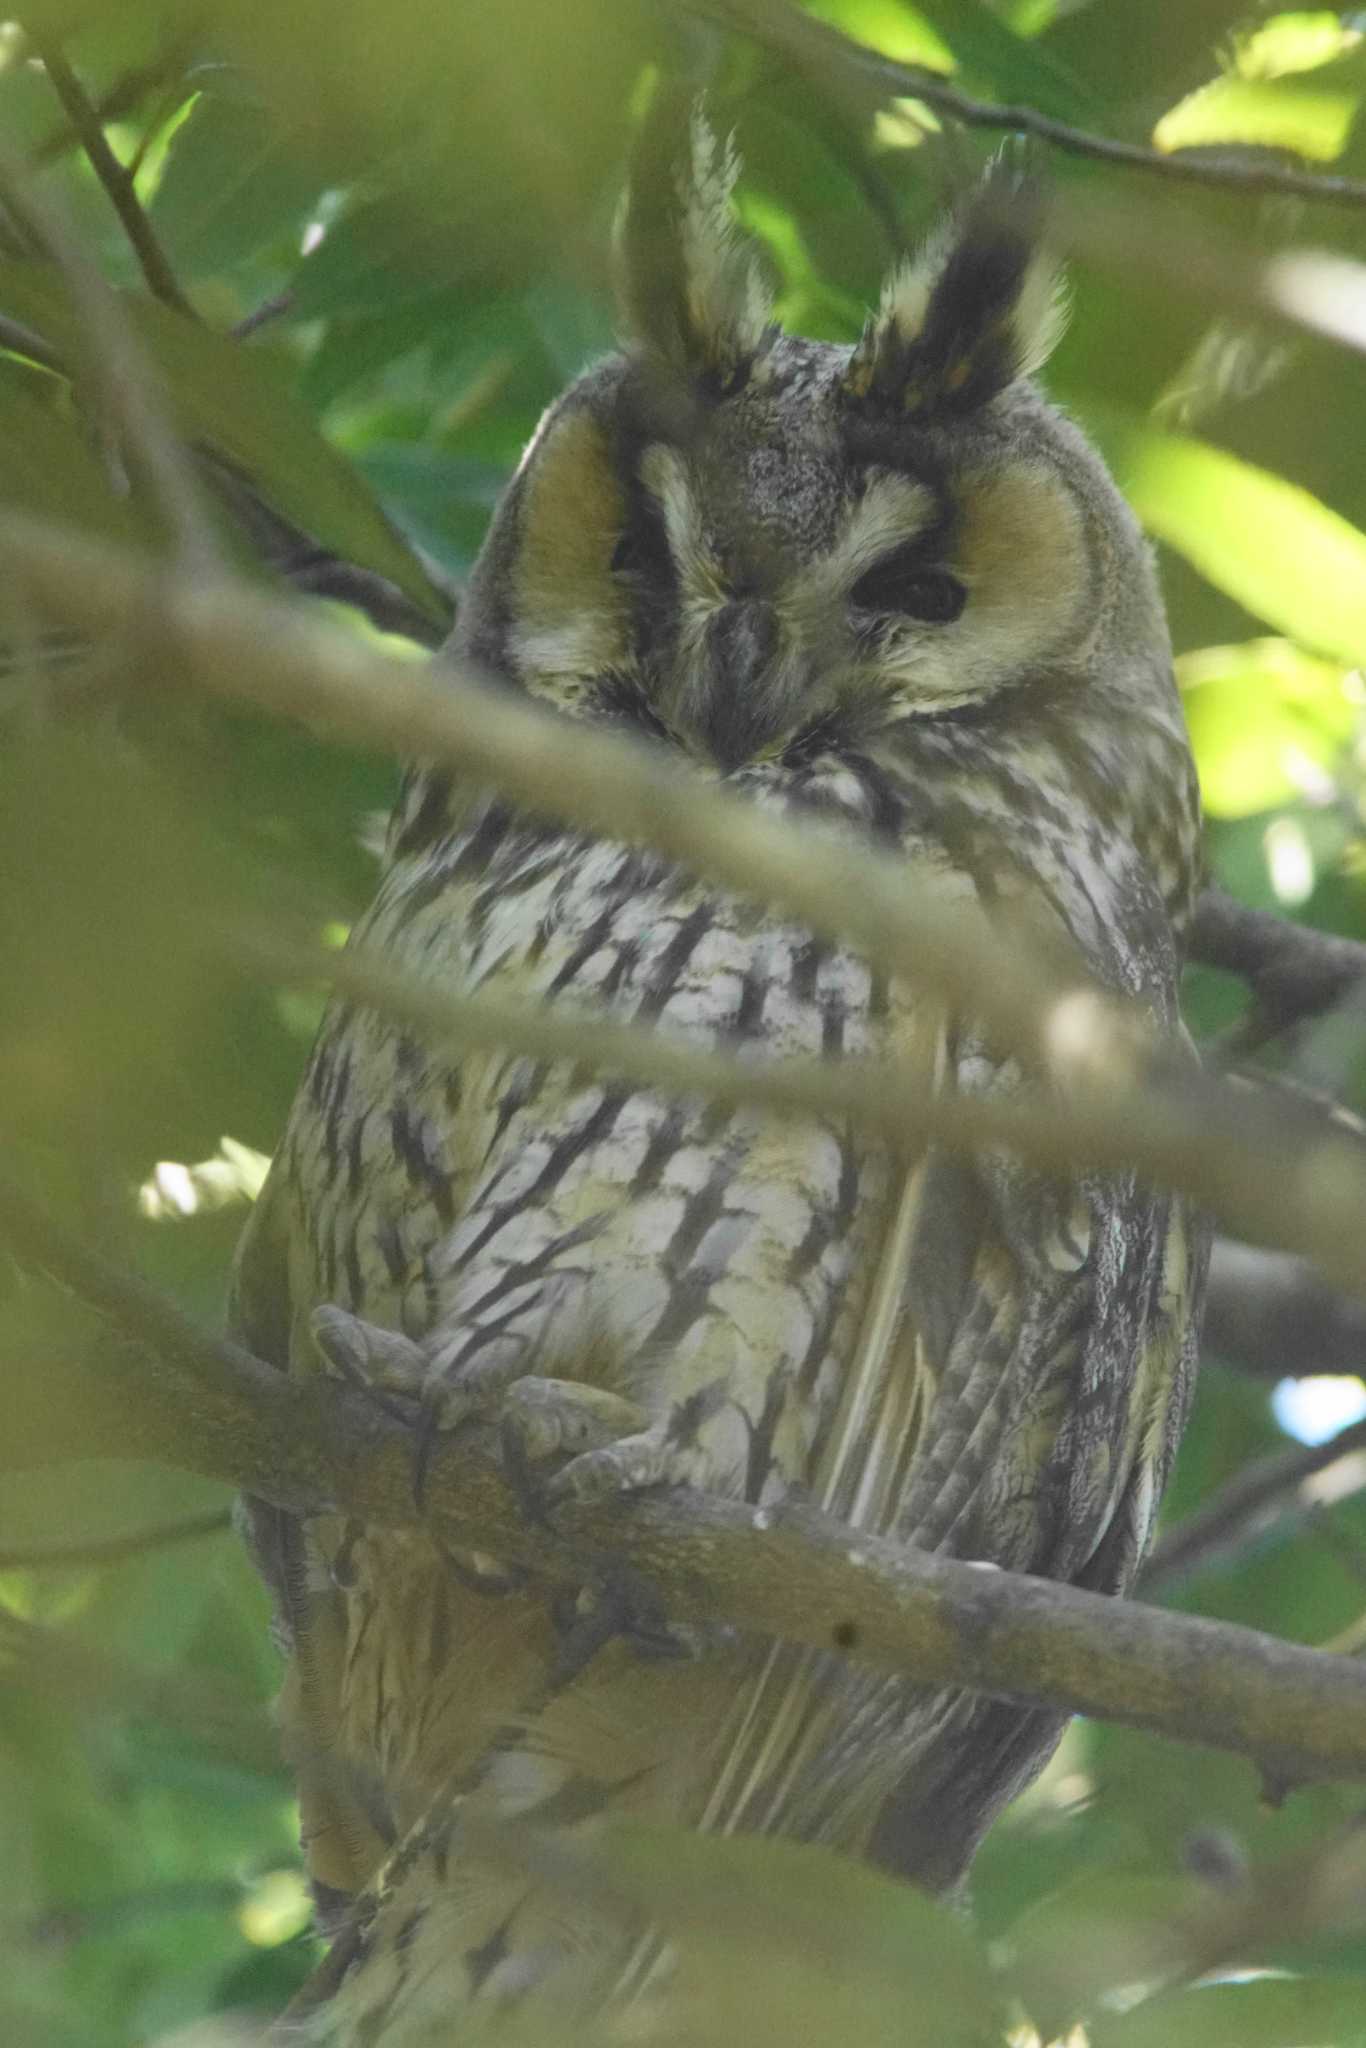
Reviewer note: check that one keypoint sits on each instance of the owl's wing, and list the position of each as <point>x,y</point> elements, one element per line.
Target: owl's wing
<point>1052,1328</point>
<point>1050,1321</point>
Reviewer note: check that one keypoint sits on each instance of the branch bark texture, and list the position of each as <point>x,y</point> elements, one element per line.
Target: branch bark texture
<point>791,1573</point>
<point>1272,1171</point>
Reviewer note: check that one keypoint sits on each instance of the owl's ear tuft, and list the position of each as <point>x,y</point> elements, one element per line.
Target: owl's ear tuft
<point>691,288</point>
<point>981,306</point>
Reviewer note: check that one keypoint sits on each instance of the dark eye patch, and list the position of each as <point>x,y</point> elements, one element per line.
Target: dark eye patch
<point>642,548</point>
<point>901,582</point>
<point>622,700</point>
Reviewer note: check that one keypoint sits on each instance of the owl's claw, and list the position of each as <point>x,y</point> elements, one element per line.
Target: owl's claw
<point>619,1604</point>
<point>380,1362</point>
<point>543,1419</point>
<point>610,1445</point>
<point>647,1457</point>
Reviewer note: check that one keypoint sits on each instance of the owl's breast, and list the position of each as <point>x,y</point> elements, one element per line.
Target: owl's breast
<point>708,1262</point>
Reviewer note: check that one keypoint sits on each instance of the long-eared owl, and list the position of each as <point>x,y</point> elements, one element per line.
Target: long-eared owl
<point>893,586</point>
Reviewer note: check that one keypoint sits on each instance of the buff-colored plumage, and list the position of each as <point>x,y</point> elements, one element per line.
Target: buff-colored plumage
<point>894,586</point>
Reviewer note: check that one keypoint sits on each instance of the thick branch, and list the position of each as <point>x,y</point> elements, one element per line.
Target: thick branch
<point>1269,1314</point>
<point>792,1573</point>
<point>826,54</point>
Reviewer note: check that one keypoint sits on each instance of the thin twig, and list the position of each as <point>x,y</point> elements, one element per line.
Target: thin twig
<point>1242,1508</point>
<point>1293,972</point>
<point>117,182</point>
<point>116,367</point>
<point>822,51</point>
<point>22,341</point>
<point>61,1557</point>
<point>262,315</point>
<point>790,1572</point>
<point>126,93</point>
<point>130,1304</point>
<point>285,548</point>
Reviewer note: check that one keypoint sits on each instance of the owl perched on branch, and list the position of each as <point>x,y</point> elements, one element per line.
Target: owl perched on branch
<point>893,586</point>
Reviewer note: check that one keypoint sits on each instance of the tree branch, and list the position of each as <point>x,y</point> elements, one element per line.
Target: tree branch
<point>1115,1105</point>
<point>123,97</point>
<point>1269,1315</point>
<point>1314,291</point>
<point>115,366</point>
<point>118,184</point>
<point>1240,1510</point>
<point>1293,972</point>
<point>823,52</point>
<point>293,555</point>
<point>790,1572</point>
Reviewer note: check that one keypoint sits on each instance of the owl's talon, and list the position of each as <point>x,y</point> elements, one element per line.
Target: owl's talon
<point>425,1436</point>
<point>620,1605</point>
<point>451,1397</point>
<point>545,1418</point>
<point>520,1473</point>
<point>629,1465</point>
<point>550,1417</point>
<point>377,1362</point>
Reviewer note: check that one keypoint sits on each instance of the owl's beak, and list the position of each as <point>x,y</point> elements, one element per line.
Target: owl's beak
<point>735,704</point>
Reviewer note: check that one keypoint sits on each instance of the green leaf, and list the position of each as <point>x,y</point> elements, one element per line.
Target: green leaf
<point>781,1941</point>
<point>48,467</point>
<point>229,184</point>
<point>1299,41</point>
<point>238,400</point>
<point>1311,122</point>
<point>1105,1928</point>
<point>1267,721</point>
<point>1014,68</point>
<point>1265,541</point>
<point>1269,2012</point>
<point>1248,104</point>
<point>496,130</point>
<point>897,30</point>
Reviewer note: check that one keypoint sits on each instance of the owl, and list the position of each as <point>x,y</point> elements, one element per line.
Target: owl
<point>891,587</point>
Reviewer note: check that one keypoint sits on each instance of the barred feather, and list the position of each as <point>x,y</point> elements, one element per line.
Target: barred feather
<point>938,626</point>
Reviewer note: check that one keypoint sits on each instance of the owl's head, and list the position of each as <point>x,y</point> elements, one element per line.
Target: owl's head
<point>734,539</point>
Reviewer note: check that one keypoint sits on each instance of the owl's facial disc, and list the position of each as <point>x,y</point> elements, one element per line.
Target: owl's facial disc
<point>730,585</point>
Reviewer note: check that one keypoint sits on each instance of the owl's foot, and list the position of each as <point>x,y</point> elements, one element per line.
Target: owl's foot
<point>382,1363</point>
<point>397,1372</point>
<point>611,1446</point>
<point>543,1419</point>
<point>646,1457</point>
<point>619,1605</point>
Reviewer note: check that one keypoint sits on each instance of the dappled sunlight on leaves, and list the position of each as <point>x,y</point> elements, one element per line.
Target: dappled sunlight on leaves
<point>410,208</point>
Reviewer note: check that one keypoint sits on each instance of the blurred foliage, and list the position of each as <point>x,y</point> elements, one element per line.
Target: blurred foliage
<point>407,210</point>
